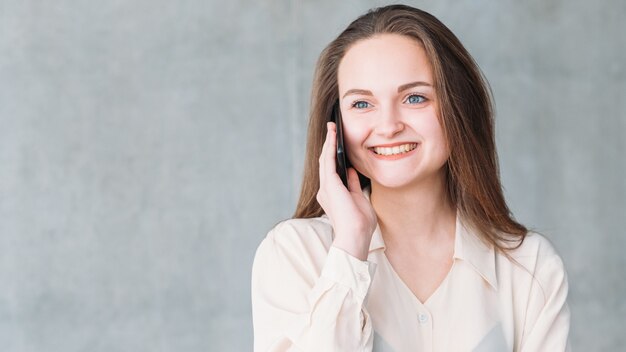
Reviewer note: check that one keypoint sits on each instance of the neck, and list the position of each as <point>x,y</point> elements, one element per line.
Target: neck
<point>418,214</point>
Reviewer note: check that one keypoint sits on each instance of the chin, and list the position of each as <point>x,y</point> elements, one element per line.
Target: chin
<point>405,178</point>
<point>389,178</point>
<point>392,182</point>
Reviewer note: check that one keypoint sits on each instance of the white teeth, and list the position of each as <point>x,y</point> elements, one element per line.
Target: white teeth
<point>395,150</point>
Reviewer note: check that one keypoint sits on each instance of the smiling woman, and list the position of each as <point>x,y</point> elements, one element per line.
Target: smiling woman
<point>420,251</point>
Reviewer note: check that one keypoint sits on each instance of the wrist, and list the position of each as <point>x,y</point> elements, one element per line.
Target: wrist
<point>357,249</point>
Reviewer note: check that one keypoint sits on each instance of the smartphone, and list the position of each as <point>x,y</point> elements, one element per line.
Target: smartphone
<point>342,159</point>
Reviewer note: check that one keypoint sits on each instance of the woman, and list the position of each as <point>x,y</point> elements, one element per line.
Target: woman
<point>420,252</point>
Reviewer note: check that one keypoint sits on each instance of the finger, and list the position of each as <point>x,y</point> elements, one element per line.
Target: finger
<point>331,137</point>
<point>330,154</point>
<point>354,184</point>
<point>322,158</point>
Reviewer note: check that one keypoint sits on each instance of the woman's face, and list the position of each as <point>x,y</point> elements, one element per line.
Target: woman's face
<point>389,110</point>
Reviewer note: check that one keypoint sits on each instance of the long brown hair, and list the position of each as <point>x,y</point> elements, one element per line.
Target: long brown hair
<point>465,113</point>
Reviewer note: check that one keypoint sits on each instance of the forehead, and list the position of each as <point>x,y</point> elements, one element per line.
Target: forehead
<point>383,62</point>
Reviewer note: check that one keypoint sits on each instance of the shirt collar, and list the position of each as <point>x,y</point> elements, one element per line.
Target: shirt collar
<point>480,255</point>
<point>377,240</point>
<point>467,246</point>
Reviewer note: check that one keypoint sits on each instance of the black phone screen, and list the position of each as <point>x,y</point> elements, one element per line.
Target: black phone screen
<point>342,165</point>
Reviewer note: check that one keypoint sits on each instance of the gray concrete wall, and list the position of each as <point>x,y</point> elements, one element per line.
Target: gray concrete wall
<point>146,147</point>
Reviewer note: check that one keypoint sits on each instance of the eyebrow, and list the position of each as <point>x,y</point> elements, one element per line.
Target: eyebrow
<point>400,89</point>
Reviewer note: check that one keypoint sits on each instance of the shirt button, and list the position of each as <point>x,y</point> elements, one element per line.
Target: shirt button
<point>423,318</point>
<point>362,277</point>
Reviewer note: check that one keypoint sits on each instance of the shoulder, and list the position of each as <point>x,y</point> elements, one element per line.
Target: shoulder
<point>536,251</point>
<point>297,241</point>
<point>538,257</point>
<point>300,232</point>
<point>535,245</point>
<point>291,257</point>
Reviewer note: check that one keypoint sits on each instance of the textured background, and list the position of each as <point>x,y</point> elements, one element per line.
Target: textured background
<point>146,148</point>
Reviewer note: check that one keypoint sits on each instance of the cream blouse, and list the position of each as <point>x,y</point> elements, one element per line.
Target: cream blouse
<point>310,296</point>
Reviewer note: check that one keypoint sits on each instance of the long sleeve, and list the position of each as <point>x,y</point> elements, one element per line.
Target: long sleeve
<point>302,301</point>
<point>548,315</point>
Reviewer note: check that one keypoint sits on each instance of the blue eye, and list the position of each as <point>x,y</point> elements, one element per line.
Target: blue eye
<point>360,104</point>
<point>415,99</point>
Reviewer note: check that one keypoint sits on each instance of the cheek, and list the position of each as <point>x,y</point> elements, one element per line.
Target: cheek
<point>437,137</point>
<point>432,130</point>
<point>354,135</point>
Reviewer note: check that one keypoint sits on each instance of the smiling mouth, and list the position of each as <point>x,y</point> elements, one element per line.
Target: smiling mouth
<point>395,150</point>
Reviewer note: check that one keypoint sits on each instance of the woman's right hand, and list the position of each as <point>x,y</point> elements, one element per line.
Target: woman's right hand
<point>350,212</point>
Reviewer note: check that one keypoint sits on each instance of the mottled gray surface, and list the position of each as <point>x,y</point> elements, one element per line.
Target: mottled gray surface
<point>146,147</point>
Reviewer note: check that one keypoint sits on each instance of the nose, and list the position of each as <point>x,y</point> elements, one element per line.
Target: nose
<point>389,123</point>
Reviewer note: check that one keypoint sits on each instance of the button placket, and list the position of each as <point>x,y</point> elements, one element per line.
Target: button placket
<point>425,327</point>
